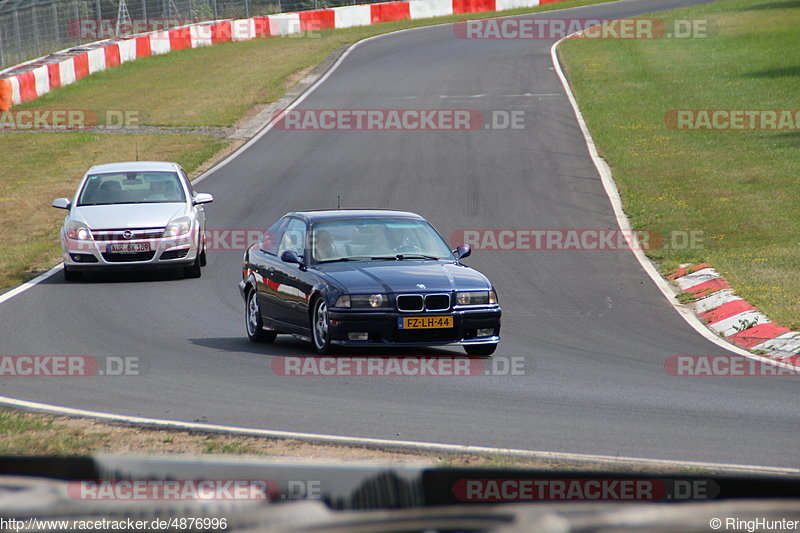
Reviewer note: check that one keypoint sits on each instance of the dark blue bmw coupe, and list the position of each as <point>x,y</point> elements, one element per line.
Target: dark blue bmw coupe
<point>366,278</point>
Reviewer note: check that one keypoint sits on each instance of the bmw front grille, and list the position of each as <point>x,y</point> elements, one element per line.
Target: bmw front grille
<point>414,303</point>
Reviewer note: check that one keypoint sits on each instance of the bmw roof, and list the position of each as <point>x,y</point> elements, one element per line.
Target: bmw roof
<point>329,214</point>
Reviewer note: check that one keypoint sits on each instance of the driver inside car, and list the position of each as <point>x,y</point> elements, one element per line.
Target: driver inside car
<point>324,247</point>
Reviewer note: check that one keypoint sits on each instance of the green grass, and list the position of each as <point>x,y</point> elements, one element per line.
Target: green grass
<point>39,167</point>
<point>212,86</point>
<point>235,447</point>
<point>740,188</point>
<point>12,423</point>
<point>217,85</point>
<point>27,434</point>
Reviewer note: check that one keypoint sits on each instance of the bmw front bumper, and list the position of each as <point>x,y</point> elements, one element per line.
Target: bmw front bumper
<point>381,328</point>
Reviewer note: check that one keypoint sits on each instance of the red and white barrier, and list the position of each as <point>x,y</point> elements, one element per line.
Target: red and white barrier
<point>350,16</point>
<point>127,50</point>
<point>244,30</point>
<point>161,43</point>
<point>320,19</point>
<point>97,60</point>
<point>284,24</point>
<point>503,5</point>
<point>426,9</point>
<point>40,79</point>
<point>201,35</point>
<point>389,12</point>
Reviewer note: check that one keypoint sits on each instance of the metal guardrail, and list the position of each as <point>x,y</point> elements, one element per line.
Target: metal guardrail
<point>34,28</point>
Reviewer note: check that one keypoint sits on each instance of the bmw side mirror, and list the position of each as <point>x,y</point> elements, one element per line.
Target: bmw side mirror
<point>462,251</point>
<point>290,256</point>
<point>61,203</point>
<point>202,198</point>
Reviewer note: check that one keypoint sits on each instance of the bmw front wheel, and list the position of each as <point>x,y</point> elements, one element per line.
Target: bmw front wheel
<point>320,328</point>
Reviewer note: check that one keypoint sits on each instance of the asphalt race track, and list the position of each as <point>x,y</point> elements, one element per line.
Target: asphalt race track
<point>593,328</point>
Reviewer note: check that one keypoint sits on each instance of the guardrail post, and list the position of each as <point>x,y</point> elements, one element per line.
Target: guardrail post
<point>56,25</point>
<point>18,35</point>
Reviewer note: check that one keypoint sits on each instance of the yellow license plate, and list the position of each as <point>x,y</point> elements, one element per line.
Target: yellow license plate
<point>425,322</point>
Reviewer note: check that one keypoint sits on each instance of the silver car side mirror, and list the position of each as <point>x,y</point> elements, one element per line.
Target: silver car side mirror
<point>202,198</point>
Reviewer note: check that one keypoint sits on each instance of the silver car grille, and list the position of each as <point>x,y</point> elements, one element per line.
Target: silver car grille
<point>135,234</point>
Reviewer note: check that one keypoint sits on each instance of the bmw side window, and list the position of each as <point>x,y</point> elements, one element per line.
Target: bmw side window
<point>294,238</point>
<point>271,238</point>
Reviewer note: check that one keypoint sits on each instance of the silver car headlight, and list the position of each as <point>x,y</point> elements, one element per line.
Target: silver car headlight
<point>178,227</point>
<point>476,298</point>
<point>78,231</point>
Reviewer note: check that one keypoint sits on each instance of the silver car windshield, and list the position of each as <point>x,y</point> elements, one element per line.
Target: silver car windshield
<point>376,239</point>
<point>132,188</point>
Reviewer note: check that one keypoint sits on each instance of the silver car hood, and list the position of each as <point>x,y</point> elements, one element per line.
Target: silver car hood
<point>122,216</point>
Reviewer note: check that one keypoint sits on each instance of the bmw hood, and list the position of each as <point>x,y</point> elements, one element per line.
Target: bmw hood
<point>121,216</point>
<point>405,276</point>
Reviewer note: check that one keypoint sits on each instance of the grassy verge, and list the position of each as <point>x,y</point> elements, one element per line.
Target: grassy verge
<point>28,434</point>
<point>38,167</point>
<point>35,434</point>
<point>216,85</point>
<point>738,187</point>
<point>212,86</point>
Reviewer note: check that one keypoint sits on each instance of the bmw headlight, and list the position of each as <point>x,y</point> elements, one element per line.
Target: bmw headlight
<point>178,227</point>
<point>363,301</point>
<point>78,231</point>
<point>476,298</point>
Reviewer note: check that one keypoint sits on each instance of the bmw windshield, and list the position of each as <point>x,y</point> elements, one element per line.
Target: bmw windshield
<point>375,239</point>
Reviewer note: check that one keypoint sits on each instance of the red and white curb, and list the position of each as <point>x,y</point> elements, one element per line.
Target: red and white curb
<point>38,77</point>
<point>763,335</point>
<point>732,317</point>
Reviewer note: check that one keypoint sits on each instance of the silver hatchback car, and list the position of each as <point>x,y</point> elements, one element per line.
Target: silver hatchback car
<point>134,215</point>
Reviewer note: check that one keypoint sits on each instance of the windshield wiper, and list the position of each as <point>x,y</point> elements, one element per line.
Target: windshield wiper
<point>342,259</point>
<point>400,257</point>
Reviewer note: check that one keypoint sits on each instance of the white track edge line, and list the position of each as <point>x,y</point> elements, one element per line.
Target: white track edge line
<point>622,220</point>
<point>390,443</point>
<point>233,155</point>
<point>625,225</point>
<point>30,283</point>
